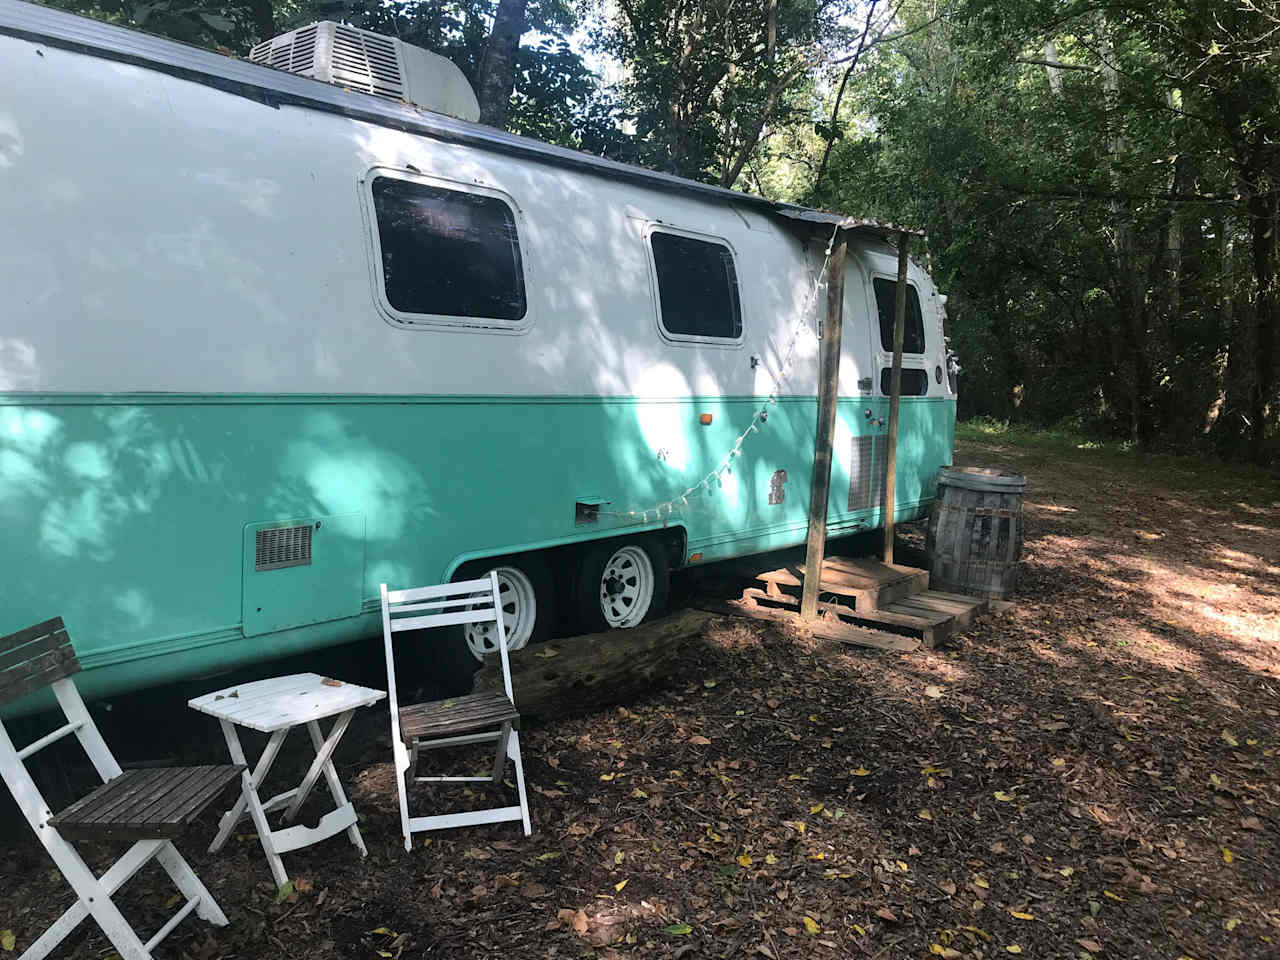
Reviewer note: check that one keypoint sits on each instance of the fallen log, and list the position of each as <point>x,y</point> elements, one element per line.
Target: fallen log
<point>580,674</point>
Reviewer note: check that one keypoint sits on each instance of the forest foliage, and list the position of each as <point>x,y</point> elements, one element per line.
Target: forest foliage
<point>1098,182</point>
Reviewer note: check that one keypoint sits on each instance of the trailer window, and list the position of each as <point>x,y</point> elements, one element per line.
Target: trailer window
<point>448,252</point>
<point>915,383</point>
<point>697,287</point>
<point>913,326</point>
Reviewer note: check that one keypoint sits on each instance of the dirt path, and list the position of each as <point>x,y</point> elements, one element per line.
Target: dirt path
<point>1092,774</point>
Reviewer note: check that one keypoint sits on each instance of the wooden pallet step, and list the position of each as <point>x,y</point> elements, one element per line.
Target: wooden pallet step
<point>868,583</point>
<point>760,606</point>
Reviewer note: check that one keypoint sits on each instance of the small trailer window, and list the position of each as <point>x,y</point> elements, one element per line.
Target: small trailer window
<point>447,252</point>
<point>697,287</point>
<point>915,383</point>
<point>913,326</point>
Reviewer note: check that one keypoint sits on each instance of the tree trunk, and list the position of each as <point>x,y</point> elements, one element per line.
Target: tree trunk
<point>497,78</point>
<point>1262,227</point>
<point>580,674</point>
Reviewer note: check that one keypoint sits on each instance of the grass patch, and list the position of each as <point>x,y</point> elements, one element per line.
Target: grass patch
<point>1061,437</point>
<point>1209,476</point>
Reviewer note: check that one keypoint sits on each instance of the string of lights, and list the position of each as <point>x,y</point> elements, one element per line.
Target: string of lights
<point>714,479</point>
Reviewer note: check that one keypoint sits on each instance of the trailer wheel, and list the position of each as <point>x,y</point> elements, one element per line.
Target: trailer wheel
<point>621,584</point>
<point>526,595</point>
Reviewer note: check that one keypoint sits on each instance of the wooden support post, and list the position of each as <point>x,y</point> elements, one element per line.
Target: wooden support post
<point>828,393</point>
<point>895,397</point>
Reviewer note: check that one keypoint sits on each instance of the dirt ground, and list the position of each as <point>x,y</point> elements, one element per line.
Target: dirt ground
<point>1090,774</point>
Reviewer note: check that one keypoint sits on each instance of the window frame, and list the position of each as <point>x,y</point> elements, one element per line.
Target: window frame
<point>924,332</point>
<point>884,358</point>
<point>688,339</point>
<point>403,320</point>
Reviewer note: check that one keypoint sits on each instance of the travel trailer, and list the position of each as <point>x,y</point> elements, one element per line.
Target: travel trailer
<point>273,333</point>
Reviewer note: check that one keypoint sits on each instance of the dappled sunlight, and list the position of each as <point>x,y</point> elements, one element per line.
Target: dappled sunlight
<point>19,369</point>
<point>332,468</point>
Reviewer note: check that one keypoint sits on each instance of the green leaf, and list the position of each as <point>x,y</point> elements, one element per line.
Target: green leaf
<point>678,929</point>
<point>7,940</point>
<point>285,892</point>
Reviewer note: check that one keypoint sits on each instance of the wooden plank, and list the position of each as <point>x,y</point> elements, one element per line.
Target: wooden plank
<point>33,633</point>
<point>33,658</point>
<point>186,804</point>
<point>16,690</point>
<point>22,654</point>
<point>171,779</point>
<point>281,702</point>
<point>895,397</point>
<point>483,586</point>
<point>828,395</point>
<point>461,714</point>
<point>829,626</point>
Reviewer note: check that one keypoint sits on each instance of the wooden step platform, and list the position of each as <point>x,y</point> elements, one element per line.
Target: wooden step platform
<point>866,602</point>
<point>758,605</point>
<point>865,582</point>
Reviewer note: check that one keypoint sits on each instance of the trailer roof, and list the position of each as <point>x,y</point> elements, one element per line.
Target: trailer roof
<point>275,87</point>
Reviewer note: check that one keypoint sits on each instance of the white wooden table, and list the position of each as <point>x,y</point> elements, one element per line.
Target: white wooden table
<point>275,707</point>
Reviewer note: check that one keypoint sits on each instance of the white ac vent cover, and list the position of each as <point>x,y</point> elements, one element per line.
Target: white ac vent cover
<point>371,63</point>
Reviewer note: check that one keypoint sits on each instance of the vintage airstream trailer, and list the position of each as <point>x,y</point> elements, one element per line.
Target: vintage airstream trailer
<point>266,342</point>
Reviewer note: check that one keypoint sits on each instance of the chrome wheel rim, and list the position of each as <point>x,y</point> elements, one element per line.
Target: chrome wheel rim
<point>626,587</point>
<point>519,604</point>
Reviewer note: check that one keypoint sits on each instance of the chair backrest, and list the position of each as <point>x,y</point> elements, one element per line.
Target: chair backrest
<point>30,660</point>
<point>467,601</point>
<point>33,658</point>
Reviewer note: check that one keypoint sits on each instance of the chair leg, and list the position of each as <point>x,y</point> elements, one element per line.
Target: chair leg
<point>500,758</point>
<point>96,900</point>
<point>185,879</point>
<point>513,751</point>
<point>403,769</point>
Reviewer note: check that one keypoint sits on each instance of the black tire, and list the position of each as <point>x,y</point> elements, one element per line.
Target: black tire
<point>451,667</point>
<point>538,572</point>
<point>591,568</point>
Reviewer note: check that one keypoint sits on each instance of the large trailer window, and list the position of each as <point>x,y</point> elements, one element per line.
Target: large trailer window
<point>697,287</point>
<point>913,326</point>
<point>447,252</point>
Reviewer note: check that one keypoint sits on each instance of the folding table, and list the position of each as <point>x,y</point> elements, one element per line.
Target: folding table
<point>275,707</point>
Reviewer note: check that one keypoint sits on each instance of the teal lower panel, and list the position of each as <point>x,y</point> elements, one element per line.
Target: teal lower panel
<point>128,516</point>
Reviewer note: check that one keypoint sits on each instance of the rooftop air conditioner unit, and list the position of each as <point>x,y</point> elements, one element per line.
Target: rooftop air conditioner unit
<point>369,62</point>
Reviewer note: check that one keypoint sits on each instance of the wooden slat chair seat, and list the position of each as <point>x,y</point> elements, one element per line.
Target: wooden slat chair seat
<point>475,718</point>
<point>149,805</point>
<point>444,718</point>
<point>160,802</point>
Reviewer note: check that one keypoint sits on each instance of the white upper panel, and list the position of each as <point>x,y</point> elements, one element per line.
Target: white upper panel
<point>158,235</point>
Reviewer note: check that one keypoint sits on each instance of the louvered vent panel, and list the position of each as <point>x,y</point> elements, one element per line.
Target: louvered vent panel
<point>866,472</point>
<point>303,56</point>
<point>283,547</point>
<point>366,62</point>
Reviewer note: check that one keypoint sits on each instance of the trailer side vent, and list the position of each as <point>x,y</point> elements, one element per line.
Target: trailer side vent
<point>867,460</point>
<point>280,547</point>
<point>371,63</point>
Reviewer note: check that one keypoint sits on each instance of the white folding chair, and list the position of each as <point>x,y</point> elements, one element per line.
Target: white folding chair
<point>151,805</point>
<point>476,718</point>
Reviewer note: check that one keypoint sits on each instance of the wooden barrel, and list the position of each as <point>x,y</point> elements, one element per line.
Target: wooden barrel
<point>975,532</point>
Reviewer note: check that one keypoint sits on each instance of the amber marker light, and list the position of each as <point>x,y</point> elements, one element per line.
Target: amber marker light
<point>695,557</point>
<point>705,419</point>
